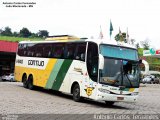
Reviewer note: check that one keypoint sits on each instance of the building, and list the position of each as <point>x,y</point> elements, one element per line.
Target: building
<point>7,56</point>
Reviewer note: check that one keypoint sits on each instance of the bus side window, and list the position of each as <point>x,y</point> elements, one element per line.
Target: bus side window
<point>47,51</point>
<point>31,50</point>
<point>80,51</point>
<point>38,50</point>
<point>21,49</point>
<point>25,50</point>
<point>92,61</point>
<point>58,50</point>
<point>70,50</point>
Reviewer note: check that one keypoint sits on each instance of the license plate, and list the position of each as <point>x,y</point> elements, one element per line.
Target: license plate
<point>120,98</point>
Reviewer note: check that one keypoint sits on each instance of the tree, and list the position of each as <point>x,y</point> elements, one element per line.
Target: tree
<point>137,45</point>
<point>7,31</point>
<point>145,44</point>
<point>34,35</point>
<point>121,37</point>
<point>1,31</point>
<point>25,32</point>
<point>43,33</point>
<point>15,34</point>
<point>133,41</point>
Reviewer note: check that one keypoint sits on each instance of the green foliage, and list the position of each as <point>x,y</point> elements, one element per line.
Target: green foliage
<point>43,33</point>
<point>25,33</point>
<point>121,37</point>
<point>140,51</point>
<point>117,37</point>
<point>145,44</point>
<point>34,35</point>
<point>16,34</point>
<point>17,39</point>
<point>153,62</point>
<point>6,32</point>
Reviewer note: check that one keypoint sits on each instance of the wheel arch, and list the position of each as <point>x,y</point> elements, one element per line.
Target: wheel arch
<point>72,86</point>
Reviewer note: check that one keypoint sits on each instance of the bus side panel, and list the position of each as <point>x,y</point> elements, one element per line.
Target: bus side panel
<point>78,73</point>
<point>52,78</point>
<point>72,75</point>
<point>18,74</point>
<point>42,76</point>
<point>58,74</point>
<point>40,73</point>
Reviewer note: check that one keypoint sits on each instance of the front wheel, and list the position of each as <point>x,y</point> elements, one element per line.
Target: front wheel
<point>76,93</point>
<point>109,103</point>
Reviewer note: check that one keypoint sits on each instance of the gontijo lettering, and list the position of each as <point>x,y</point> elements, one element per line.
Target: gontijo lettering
<point>36,62</point>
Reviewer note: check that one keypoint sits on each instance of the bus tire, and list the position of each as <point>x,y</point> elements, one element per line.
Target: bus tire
<point>109,103</point>
<point>76,93</point>
<point>24,80</point>
<point>30,82</point>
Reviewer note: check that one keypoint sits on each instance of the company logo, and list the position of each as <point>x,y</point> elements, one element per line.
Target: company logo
<point>89,90</point>
<point>152,51</point>
<point>36,63</point>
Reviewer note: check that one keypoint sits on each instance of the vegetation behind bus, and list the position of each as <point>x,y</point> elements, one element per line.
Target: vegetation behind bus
<point>18,39</point>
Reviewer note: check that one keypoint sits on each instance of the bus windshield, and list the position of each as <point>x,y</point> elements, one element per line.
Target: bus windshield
<point>120,66</point>
<point>118,52</point>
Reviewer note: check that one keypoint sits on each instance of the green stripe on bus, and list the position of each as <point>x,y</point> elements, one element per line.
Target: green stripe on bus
<point>54,73</point>
<point>126,89</point>
<point>61,74</point>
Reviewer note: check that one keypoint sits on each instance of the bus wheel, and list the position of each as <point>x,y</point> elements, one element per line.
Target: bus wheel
<point>24,80</point>
<point>76,93</point>
<point>109,103</point>
<point>30,83</point>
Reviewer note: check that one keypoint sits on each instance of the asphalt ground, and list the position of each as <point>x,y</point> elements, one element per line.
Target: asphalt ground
<point>22,103</point>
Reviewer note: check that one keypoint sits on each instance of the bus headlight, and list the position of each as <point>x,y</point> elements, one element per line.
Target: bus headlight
<point>103,90</point>
<point>134,93</point>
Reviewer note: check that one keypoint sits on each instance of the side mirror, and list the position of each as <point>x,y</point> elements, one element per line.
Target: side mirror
<point>101,62</point>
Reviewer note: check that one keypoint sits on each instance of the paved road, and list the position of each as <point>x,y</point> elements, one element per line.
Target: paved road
<point>14,99</point>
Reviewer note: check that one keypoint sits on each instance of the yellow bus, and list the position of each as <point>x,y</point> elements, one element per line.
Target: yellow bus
<point>102,70</point>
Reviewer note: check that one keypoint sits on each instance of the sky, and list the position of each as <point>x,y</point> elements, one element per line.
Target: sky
<point>83,18</point>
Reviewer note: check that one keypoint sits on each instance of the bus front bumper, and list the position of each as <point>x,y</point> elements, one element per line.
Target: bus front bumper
<point>117,98</point>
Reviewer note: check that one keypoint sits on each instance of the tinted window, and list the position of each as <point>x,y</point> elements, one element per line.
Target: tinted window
<point>31,50</point>
<point>38,50</point>
<point>70,50</point>
<point>80,51</point>
<point>54,50</point>
<point>92,61</point>
<point>47,50</point>
<point>118,52</point>
<point>58,50</point>
<point>22,49</point>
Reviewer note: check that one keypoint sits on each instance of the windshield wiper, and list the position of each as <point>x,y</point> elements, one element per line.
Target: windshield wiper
<point>123,72</point>
<point>122,87</point>
<point>128,79</point>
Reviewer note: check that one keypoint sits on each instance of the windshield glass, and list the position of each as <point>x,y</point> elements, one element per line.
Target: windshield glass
<point>118,71</point>
<point>118,52</point>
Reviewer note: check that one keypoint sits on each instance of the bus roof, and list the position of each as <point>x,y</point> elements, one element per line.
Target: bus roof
<point>98,41</point>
